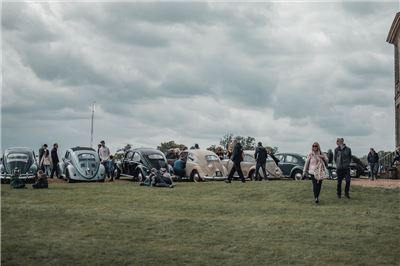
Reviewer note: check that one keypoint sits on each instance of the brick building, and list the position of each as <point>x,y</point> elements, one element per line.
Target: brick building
<point>394,38</point>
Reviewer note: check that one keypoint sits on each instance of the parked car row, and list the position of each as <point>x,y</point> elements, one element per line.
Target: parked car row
<point>83,164</point>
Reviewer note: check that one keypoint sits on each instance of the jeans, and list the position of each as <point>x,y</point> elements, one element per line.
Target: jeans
<point>236,167</point>
<point>343,174</point>
<point>55,169</point>
<point>373,169</point>
<point>317,184</point>
<point>262,165</point>
<point>47,169</point>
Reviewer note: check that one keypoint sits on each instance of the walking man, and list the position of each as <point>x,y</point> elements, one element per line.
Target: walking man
<point>55,161</point>
<point>237,158</point>
<point>373,159</point>
<point>104,153</point>
<point>342,159</point>
<point>261,158</point>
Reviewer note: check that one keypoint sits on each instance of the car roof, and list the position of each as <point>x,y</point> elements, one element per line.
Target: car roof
<point>200,152</point>
<point>77,148</point>
<point>146,150</point>
<point>290,153</point>
<point>18,149</point>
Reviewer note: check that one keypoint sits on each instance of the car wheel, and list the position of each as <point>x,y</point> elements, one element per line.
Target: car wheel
<point>252,175</point>
<point>117,173</point>
<point>69,180</point>
<point>297,175</point>
<point>141,176</point>
<point>195,176</point>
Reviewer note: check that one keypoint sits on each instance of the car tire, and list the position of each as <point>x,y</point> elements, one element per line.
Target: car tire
<point>297,175</point>
<point>67,176</point>
<point>195,176</point>
<point>252,175</point>
<point>117,173</point>
<point>141,176</point>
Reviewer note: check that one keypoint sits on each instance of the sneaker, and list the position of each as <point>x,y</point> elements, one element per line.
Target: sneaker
<point>316,200</point>
<point>228,181</point>
<point>347,195</point>
<point>339,196</point>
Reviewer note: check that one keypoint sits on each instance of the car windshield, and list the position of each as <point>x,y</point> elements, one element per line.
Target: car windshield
<point>86,157</point>
<point>156,160</point>
<point>211,158</point>
<point>17,157</point>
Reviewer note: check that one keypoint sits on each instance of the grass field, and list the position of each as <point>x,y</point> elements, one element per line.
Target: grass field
<point>265,223</point>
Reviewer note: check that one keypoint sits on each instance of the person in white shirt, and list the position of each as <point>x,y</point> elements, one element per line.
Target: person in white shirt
<point>104,153</point>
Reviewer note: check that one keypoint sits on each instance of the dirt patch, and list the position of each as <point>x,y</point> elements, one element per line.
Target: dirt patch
<point>385,183</point>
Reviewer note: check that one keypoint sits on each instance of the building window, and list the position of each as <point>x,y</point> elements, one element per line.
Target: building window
<point>396,64</point>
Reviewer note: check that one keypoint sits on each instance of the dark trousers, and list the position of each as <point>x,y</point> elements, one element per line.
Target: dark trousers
<point>55,169</point>
<point>236,168</point>
<point>262,165</point>
<point>343,174</point>
<point>316,186</point>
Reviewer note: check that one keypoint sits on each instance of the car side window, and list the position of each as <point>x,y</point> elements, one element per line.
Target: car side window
<point>136,157</point>
<point>129,155</point>
<point>248,158</point>
<point>279,157</point>
<point>291,159</point>
<point>190,157</point>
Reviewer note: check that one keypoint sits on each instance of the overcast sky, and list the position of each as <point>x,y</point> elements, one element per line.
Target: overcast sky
<point>286,73</point>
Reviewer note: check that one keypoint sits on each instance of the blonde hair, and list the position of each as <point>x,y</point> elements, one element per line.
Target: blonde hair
<point>317,144</point>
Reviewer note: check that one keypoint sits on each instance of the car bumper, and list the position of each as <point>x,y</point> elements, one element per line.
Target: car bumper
<point>215,178</point>
<point>8,177</point>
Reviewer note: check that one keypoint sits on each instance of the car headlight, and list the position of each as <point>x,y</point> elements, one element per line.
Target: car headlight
<point>32,169</point>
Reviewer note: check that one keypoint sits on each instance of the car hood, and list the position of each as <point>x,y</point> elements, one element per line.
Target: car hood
<point>20,161</point>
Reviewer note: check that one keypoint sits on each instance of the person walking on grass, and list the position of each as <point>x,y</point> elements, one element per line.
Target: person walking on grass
<point>237,158</point>
<point>46,162</point>
<point>55,161</point>
<point>261,158</point>
<point>342,157</point>
<point>315,168</point>
<point>373,161</point>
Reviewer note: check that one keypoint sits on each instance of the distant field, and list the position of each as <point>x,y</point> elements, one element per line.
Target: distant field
<point>257,223</point>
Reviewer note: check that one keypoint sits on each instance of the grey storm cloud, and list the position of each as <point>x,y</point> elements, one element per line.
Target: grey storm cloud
<point>195,71</point>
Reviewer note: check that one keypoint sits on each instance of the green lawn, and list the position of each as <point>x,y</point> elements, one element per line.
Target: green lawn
<point>264,223</point>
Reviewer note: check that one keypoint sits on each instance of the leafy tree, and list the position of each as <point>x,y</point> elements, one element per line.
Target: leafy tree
<point>274,150</point>
<point>212,148</point>
<point>248,142</point>
<point>226,140</point>
<point>164,146</point>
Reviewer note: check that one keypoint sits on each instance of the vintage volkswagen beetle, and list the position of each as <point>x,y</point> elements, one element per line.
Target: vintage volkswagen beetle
<point>81,164</point>
<point>292,165</point>
<point>248,166</point>
<point>202,165</point>
<point>137,163</point>
<point>23,159</point>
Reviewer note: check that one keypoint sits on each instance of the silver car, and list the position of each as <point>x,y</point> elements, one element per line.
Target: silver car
<point>21,159</point>
<point>82,164</point>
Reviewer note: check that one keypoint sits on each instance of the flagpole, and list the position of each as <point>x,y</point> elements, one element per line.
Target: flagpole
<point>91,129</point>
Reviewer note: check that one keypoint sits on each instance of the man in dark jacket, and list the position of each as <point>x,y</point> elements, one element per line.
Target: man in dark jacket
<point>342,159</point>
<point>237,158</point>
<point>55,160</point>
<point>261,158</point>
<point>373,159</point>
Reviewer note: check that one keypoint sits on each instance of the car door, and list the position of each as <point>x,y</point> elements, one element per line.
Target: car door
<point>126,161</point>
<point>282,164</point>
<point>134,163</point>
<point>290,162</point>
<point>247,163</point>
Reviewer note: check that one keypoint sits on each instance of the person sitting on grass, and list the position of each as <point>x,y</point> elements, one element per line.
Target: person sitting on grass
<point>158,178</point>
<point>41,181</point>
<point>179,167</point>
<point>15,182</point>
